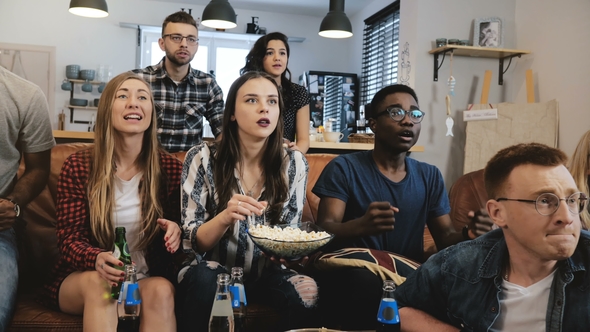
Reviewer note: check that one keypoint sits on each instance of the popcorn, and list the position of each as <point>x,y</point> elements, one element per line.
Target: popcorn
<point>287,241</point>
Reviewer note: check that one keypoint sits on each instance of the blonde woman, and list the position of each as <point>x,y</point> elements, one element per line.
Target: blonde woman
<point>124,180</point>
<point>579,167</point>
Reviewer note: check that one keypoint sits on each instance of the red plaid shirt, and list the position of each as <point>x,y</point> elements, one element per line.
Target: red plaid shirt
<point>78,247</point>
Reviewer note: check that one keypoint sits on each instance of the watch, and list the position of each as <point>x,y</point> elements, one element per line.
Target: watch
<point>16,207</point>
<point>465,232</point>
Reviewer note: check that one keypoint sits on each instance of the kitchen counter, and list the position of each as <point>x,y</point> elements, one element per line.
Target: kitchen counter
<point>63,136</point>
<point>351,146</point>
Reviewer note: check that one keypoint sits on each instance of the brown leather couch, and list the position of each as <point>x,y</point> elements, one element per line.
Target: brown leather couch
<point>39,251</point>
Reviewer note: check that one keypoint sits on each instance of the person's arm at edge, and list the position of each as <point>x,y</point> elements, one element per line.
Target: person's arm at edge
<point>34,179</point>
<point>417,320</point>
<point>302,129</point>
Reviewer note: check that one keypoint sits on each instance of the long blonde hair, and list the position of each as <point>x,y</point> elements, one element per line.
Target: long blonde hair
<point>102,171</point>
<point>579,167</point>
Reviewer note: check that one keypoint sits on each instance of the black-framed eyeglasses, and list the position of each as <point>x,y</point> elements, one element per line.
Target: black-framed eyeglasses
<point>398,114</point>
<point>177,39</point>
<point>546,204</point>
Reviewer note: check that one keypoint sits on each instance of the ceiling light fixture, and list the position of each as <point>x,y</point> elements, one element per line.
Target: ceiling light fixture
<point>336,24</point>
<point>219,14</point>
<point>89,8</point>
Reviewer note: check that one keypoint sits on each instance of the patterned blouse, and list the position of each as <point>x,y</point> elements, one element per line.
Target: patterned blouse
<point>294,98</point>
<point>77,246</point>
<point>199,201</point>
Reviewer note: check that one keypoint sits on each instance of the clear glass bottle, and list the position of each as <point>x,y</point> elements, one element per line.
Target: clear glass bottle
<point>388,315</point>
<point>238,298</point>
<point>121,252</point>
<point>129,303</point>
<point>222,316</point>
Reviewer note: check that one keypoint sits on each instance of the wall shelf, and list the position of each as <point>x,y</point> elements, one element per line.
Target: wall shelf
<point>477,52</point>
<point>74,107</point>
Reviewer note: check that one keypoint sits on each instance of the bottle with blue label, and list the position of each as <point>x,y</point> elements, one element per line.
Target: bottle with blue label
<point>129,302</point>
<point>388,315</point>
<point>238,298</point>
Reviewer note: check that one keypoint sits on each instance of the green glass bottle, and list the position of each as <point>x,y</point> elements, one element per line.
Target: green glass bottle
<point>121,252</point>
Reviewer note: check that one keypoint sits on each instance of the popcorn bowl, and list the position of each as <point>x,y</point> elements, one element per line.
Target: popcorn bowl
<point>291,242</point>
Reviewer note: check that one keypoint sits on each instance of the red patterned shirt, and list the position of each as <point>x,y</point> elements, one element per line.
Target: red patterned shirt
<point>77,246</point>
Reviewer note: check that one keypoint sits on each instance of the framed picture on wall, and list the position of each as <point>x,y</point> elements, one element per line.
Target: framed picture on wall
<point>487,32</point>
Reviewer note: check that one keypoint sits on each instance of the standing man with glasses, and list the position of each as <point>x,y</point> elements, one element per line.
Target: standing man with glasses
<point>183,95</point>
<point>382,199</point>
<point>531,274</point>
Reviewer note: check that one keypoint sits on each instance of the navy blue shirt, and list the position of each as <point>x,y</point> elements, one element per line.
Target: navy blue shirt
<point>355,179</point>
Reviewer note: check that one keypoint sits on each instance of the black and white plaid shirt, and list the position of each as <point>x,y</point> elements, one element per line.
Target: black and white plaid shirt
<point>182,105</point>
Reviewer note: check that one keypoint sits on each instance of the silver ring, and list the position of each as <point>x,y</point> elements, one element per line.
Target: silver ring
<point>240,202</point>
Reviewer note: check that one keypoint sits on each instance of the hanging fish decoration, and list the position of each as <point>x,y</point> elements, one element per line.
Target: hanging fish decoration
<point>451,84</point>
<point>449,121</point>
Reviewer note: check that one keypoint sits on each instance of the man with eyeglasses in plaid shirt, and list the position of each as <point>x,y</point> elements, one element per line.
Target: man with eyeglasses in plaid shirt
<point>183,95</point>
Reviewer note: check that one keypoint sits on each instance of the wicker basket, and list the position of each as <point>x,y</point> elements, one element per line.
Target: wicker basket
<point>361,138</point>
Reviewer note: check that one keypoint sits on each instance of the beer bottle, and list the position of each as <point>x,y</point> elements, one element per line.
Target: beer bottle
<point>121,252</point>
<point>238,298</point>
<point>388,315</point>
<point>222,316</point>
<point>129,303</point>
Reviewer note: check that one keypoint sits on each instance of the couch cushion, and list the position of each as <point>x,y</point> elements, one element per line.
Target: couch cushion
<point>468,193</point>
<point>31,316</point>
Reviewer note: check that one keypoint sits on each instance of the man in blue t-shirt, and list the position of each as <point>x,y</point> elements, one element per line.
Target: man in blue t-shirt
<point>382,199</point>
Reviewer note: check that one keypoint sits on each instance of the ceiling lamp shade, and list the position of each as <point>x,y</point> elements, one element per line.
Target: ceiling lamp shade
<point>219,14</point>
<point>336,24</point>
<point>89,8</point>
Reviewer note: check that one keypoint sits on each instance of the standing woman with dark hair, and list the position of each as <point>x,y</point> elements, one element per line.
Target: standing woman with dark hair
<point>247,177</point>
<point>271,55</point>
<point>124,180</point>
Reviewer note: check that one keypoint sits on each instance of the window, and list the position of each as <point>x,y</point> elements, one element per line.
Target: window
<point>380,51</point>
<point>222,55</point>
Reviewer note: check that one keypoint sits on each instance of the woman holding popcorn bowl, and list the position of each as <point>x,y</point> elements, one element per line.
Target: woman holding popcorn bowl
<point>247,178</point>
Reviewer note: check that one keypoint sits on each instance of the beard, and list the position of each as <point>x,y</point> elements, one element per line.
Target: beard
<point>172,58</point>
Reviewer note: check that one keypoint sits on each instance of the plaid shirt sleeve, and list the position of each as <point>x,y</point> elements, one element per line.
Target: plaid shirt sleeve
<point>73,223</point>
<point>172,168</point>
<point>214,113</point>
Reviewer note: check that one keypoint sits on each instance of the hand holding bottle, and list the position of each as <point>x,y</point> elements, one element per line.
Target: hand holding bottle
<point>104,266</point>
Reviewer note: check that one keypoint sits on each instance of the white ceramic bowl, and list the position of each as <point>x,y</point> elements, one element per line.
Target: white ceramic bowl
<point>289,249</point>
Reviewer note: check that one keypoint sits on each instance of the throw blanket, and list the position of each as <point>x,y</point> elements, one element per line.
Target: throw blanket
<point>387,265</point>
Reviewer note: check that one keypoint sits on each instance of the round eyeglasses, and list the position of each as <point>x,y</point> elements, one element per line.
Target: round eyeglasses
<point>546,204</point>
<point>177,39</point>
<point>397,114</point>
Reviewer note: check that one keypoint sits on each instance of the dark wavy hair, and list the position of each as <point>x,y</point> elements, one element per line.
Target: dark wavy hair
<point>228,155</point>
<point>373,108</point>
<point>179,17</point>
<point>258,52</point>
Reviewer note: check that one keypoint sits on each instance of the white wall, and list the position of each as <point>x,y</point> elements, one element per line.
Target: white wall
<point>90,42</point>
<point>558,34</point>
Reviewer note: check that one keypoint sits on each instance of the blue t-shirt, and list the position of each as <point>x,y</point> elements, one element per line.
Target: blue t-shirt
<point>355,179</point>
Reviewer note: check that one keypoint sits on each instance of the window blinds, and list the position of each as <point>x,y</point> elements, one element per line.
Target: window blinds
<point>380,51</point>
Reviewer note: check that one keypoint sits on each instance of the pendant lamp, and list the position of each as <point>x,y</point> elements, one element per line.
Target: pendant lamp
<point>336,24</point>
<point>89,8</point>
<point>219,14</point>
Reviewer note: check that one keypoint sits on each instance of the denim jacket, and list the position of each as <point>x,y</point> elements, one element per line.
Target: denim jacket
<point>461,286</point>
